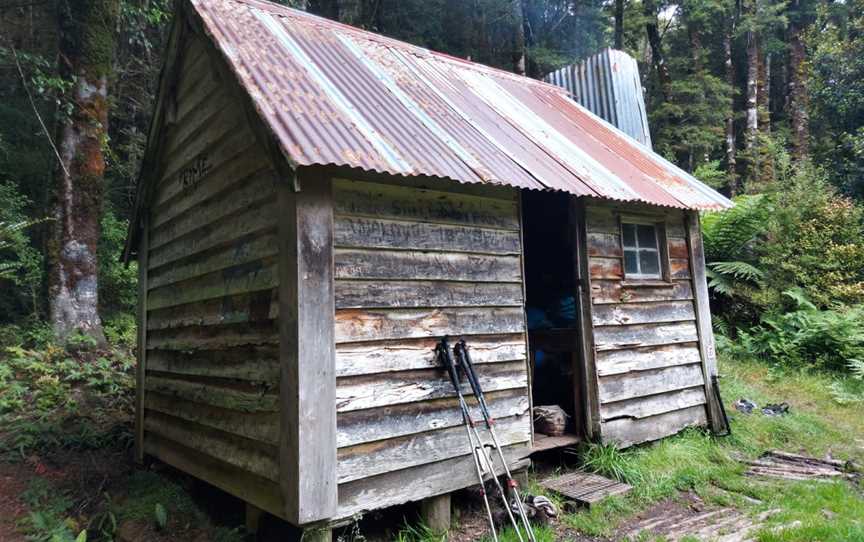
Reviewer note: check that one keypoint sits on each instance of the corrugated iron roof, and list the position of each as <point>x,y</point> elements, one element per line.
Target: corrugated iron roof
<point>337,95</point>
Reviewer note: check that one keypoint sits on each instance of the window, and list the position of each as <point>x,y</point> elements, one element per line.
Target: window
<point>642,256</point>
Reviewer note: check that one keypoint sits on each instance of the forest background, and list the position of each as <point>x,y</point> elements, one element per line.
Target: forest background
<point>761,99</point>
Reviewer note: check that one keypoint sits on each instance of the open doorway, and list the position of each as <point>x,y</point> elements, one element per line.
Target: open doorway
<point>552,313</point>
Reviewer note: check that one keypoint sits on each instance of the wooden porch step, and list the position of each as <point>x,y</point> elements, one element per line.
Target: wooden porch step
<point>585,488</point>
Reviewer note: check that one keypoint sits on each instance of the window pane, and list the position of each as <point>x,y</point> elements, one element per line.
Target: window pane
<point>630,264</point>
<point>649,261</point>
<point>647,236</point>
<point>629,234</point>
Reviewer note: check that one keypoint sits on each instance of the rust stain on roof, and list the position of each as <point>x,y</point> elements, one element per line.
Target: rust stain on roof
<point>337,95</point>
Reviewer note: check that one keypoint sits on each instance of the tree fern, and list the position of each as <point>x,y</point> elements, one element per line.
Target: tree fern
<point>729,233</point>
<point>729,236</point>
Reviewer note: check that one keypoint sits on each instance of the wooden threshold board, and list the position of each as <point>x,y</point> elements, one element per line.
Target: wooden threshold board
<point>545,442</point>
<point>585,488</point>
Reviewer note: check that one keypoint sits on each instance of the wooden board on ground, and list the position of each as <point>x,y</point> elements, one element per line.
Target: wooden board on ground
<point>585,488</point>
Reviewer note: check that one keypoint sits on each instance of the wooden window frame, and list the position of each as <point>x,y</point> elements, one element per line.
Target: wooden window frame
<point>664,277</point>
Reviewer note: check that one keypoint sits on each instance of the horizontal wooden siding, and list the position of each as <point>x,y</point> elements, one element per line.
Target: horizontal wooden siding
<point>411,266</point>
<point>650,380</point>
<point>212,365</point>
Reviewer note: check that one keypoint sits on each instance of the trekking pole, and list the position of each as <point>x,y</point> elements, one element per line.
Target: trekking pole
<point>480,448</point>
<point>464,359</point>
<point>443,352</point>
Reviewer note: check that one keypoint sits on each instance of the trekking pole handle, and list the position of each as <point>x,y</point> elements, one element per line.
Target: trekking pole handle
<point>464,357</point>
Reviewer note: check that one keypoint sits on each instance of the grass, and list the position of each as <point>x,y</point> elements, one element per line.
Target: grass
<point>709,466</point>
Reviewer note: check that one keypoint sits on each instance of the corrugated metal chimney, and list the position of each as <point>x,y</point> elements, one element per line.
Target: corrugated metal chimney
<point>608,85</point>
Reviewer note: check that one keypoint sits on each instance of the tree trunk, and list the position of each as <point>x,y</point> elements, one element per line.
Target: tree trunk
<point>763,92</point>
<point>766,159</point>
<point>619,24</point>
<point>693,34</point>
<point>86,48</point>
<point>751,126</point>
<point>518,36</point>
<point>752,114</point>
<point>731,172</point>
<point>798,102</point>
<point>650,10</point>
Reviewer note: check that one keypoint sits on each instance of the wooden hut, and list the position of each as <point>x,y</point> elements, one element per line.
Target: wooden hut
<point>319,205</point>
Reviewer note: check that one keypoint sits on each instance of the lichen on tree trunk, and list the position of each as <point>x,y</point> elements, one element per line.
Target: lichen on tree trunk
<point>798,96</point>
<point>86,47</point>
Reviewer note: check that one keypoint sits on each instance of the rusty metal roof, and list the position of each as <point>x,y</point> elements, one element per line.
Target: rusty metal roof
<point>334,94</point>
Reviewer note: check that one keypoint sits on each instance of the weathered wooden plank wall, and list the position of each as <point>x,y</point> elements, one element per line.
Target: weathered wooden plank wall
<point>650,379</point>
<point>410,266</point>
<point>211,391</point>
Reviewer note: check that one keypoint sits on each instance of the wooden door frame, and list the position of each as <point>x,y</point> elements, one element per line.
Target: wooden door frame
<point>585,385</point>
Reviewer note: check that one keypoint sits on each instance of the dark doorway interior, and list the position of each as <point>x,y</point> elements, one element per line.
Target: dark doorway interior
<point>551,308</point>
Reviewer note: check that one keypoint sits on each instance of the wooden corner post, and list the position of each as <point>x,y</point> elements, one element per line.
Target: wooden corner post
<point>141,367</point>
<point>306,335</point>
<point>703,321</point>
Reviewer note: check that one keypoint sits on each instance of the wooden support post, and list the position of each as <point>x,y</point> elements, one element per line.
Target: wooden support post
<point>435,512</point>
<point>253,518</point>
<point>703,321</point>
<point>307,353</point>
<point>143,247</point>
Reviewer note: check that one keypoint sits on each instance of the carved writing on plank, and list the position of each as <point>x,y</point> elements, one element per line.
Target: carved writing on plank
<point>190,176</point>
<point>364,232</point>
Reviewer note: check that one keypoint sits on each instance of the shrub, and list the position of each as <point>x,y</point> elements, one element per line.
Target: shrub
<point>815,241</point>
<point>808,335</point>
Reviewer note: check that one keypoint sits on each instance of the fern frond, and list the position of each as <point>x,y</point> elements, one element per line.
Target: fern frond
<point>720,283</point>
<point>856,366</point>
<point>739,270</point>
<point>726,234</point>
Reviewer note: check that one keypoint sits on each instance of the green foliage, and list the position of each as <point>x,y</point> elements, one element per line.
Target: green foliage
<point>711,174</point>
<point>118,282</point>
<point>49,520</point>
<point>121,330</point>
<point>690,124</point>
<point>815,241</point>
<point>709,466</point>
<point>52,398</point>
<point>419,533</point>
<point>837,94</point>
<point>832,339</point>
<point>160,515</point>
<point>800,234</point>
<point>827,512</point>
<point>21,263</point>
<point>732,233</point>
<point>732,242</point>
<point>543,533</point>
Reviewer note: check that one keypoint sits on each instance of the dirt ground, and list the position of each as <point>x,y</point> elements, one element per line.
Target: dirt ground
<point>88,477</point>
